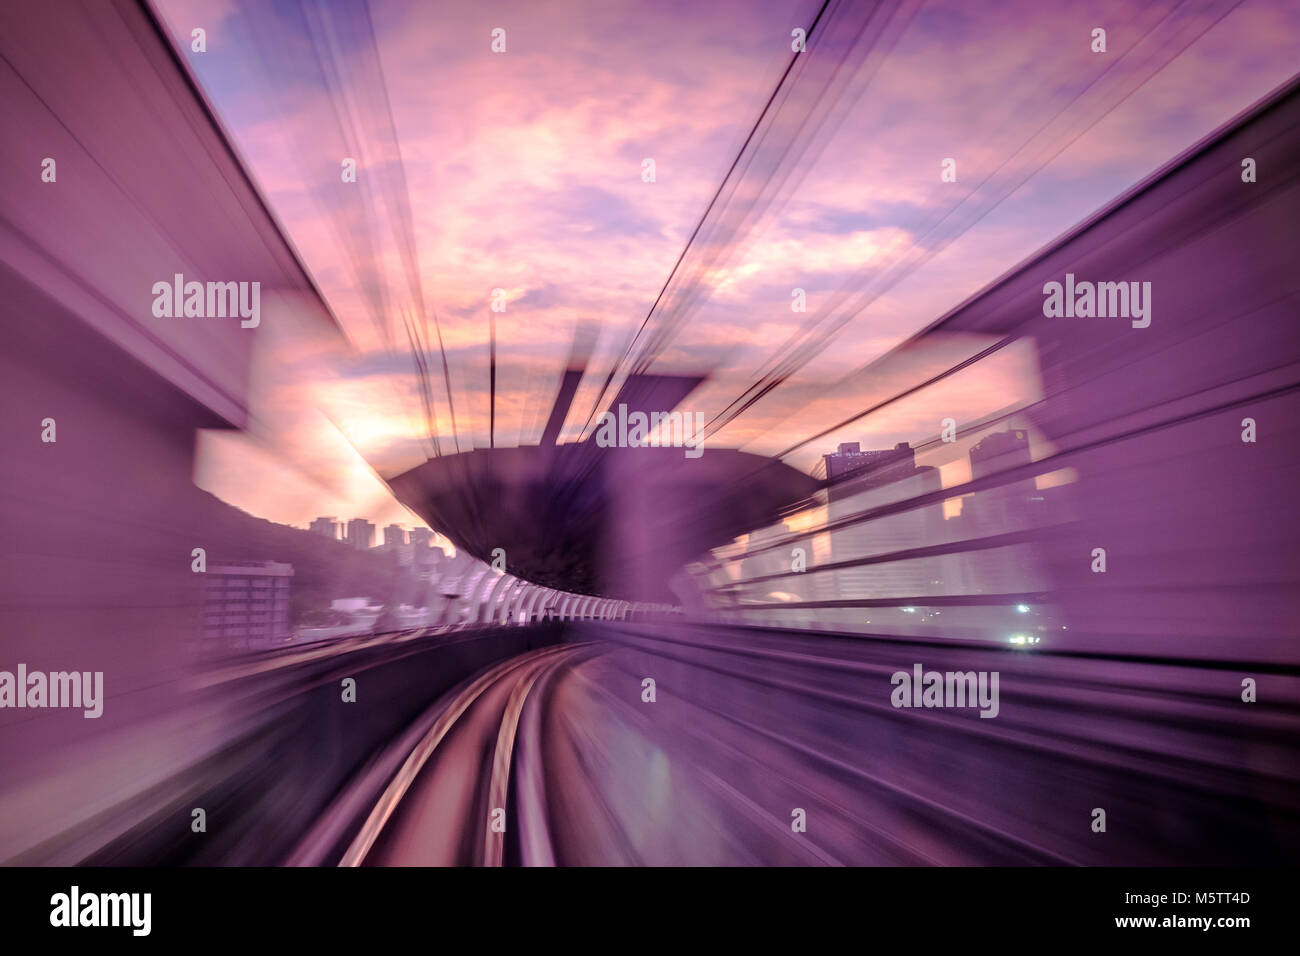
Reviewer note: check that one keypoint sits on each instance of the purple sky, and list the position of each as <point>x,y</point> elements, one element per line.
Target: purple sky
<point>522,171</point>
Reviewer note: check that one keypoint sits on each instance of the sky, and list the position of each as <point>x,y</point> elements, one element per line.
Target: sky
<point>523,171</point>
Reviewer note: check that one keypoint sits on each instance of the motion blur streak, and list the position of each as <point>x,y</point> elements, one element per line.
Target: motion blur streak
<point>448,811</point>
<point>625,655</point>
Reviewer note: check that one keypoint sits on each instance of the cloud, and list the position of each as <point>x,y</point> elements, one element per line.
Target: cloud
<point>522,171</point>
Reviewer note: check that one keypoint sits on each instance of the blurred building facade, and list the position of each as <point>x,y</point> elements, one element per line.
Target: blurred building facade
<point>860,481</point>
<point>325,526</point>
<point>103,516</point>
<point>360,533</point>
<point>246,606</point>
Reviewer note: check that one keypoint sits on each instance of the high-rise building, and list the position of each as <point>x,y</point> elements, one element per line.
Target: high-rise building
<point>761,563</point>
<point>998,452</point>
<point>1001,509</point>
<point>849,459</point>
<point>421,537</point>
<point>245,606</point>
<point>394,535</point>
<point>1006,507</point>
<point>860,481</point>
<point>326,526</point>
<point>360,534</point>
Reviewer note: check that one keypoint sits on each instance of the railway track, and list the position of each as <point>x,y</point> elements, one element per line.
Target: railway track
<point>452,800</point>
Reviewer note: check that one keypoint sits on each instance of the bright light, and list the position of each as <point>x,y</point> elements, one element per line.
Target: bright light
<point>1017,638</point>
<point>909,610</point>
<point>1022,608</point>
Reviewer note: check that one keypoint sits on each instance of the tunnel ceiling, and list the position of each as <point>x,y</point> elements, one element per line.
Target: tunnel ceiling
<point>616,522</point>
